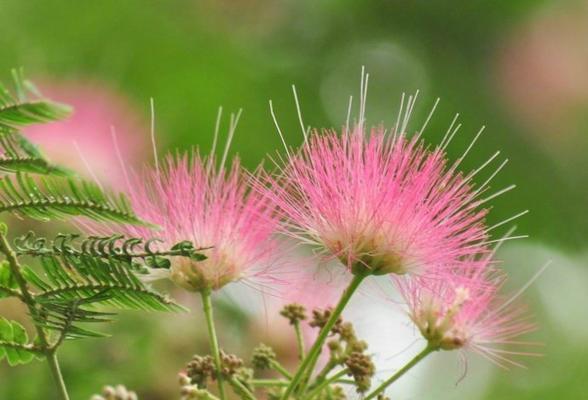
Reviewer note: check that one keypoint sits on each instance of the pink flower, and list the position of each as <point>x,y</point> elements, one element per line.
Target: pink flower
<point>379,203</point>
<point>466,311</point>
<point>96,110</point>
<point>191,200</point>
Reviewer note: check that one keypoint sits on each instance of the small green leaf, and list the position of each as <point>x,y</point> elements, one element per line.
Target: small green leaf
<point>198,257</point>
<point>184,245</point>
<point>14,343</point>
<point>7,280</point>
<point>186,249</point>
<point>19,335</point>
<point>157,262</point>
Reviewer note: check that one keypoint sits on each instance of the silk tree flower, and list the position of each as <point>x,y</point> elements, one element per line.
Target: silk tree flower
<point>465,311</point>
<point>97,110</point>
<point>189,199</point>
<point>380,203</point>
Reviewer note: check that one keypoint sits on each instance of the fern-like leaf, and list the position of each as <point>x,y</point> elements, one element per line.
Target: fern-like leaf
<point>71,287</point>
<point>17,154</point>
<point>48,197</point>
<point>149,252</point>
<point>14,343</point>
<point>27,106</point>
<point>71,278</point>
<point>64,317</point>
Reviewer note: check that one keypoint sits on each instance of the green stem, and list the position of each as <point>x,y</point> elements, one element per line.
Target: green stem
<point>307,375</point>
<point>283,371</point>
<point>241,389</point>
<point>207,307</point>
<point>11,293</point>
<point>27,298</point>
<point>299,340</point>
<point>322,375</point>
<point>312,356</point>
<point>57,376</point>
<point>326,383</point>
<point>269,382</point>
<point>380,389</point>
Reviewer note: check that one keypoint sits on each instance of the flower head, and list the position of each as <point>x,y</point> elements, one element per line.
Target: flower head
<point>191,200</point>
<point>466,311</point>
<point>379,203</point>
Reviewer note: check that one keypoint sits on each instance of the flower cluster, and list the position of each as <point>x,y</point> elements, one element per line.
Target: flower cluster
<point>379,202</point>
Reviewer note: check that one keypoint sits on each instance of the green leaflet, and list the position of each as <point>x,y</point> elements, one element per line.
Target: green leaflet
<point>19,109</point>
<point>70,278</point>
<point>17,154</point>
<point>73,285</point>
<point>14,343</point>
<point>8,285</point>
<point>49,197</point>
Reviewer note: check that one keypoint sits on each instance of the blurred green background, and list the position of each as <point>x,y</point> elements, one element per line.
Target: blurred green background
<point>518,67</point>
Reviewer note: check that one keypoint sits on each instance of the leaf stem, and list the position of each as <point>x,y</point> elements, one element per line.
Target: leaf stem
<point>269,382</point>
<point>241,389</point>
<point>11,293</point>
<point>426,351</point>
<point>207,308</point>
<point>299,340</point>
<point>322,375</point>
<point>280,368</point>
<point>57,375</point>
<point>29,301</point>
<point>312,356</point>
<point>327,382</point>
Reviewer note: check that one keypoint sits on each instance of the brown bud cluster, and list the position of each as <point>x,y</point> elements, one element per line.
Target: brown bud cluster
<point>118,392</point>
<point>200,369</point>
<point>263,357</point>
<point>320,318</point>
<point>230,364</point>
<point>294,313</point>
<point>362,369</point>
<point>346,349</point>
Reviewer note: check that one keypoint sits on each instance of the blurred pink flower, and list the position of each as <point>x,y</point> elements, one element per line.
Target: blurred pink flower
<point>541,72</point>
<point>97,109</point>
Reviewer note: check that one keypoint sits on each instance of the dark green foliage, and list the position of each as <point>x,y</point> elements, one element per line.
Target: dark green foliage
<point>19,109</point>
<point>14,343</point>
<point>49,197</point>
